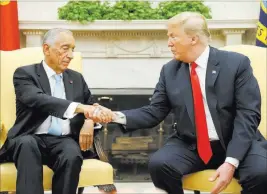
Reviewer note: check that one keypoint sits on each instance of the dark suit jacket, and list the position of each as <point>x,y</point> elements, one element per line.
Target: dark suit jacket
<point>233,98</point>
<point>34,102</point>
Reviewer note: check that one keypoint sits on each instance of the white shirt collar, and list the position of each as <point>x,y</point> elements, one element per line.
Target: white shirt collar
<point>202,60</point>
<point>49,71</point>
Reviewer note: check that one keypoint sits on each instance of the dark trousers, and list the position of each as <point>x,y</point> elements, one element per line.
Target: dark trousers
<point>61,154</point>
<point>177,158</point>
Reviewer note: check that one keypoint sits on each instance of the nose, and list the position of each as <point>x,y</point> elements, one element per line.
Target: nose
<point>70,54</point>
<point>170,44</point>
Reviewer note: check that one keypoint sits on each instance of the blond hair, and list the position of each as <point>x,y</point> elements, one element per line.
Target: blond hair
<point>193,23</point>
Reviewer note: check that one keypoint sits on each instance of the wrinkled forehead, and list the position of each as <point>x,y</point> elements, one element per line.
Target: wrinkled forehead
<point>65,39</point>
<point>174,29</point>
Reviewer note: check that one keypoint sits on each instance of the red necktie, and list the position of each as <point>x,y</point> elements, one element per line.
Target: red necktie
<point>203,143</point>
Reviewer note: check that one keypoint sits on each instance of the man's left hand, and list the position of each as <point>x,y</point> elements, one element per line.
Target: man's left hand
<point>224,174</point>
<point>86,135</point>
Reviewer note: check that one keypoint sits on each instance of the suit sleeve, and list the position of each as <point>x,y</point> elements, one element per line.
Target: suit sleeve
<point>151,115</point>
<point>248,104</point>
<point>29,94</point>
<point>78,121</point>
<point>88,98</point>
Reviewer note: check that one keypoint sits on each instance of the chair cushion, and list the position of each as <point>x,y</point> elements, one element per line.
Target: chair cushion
<point>94,172</point>
<point>200,181</point>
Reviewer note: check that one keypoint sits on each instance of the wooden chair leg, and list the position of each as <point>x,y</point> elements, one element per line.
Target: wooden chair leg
<point>80,190</point>
<point>196,192</point>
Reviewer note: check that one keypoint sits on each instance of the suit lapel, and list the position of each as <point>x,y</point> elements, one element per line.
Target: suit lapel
<point>43,79</point>
<point>213,70</point>
<point>68,83</point>
<point>187,91</point>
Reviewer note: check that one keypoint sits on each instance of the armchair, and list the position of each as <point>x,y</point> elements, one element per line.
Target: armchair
<point>100,170</point>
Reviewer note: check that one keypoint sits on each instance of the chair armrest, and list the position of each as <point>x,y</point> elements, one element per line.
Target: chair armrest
<point>96,151</point>
<point>98,148</point>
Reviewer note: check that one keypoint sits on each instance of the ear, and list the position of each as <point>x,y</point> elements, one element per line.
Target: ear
<point>46,49</point>
<point>194,40</point>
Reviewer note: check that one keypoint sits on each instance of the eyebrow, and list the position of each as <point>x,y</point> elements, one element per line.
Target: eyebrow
<point>68,45</point>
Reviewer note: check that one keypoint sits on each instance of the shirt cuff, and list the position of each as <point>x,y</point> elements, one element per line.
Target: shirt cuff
<point>233,161</point>
<point>119,118</point>
<point>70,112</point>
<point>97,126</point>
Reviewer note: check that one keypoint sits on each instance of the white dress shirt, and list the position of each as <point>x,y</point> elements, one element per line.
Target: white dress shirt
<point>202,63</point>
<point>69,113</point>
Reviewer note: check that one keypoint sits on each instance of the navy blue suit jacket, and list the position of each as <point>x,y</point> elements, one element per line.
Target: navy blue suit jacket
<point>233,98</point>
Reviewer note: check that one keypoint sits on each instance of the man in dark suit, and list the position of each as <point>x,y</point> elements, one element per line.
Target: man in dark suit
<point>216,101</point>
<point>52,103</point>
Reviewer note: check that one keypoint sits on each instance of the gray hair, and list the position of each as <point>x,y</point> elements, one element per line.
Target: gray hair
<point>193,23</point>
<point>51,35</point>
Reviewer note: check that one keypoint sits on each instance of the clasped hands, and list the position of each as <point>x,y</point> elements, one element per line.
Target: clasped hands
<point>96,112</point>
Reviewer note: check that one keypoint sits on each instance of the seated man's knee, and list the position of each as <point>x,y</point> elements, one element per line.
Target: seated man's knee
<point>259,175</point>
<point>72,157</point>
<point>26,142</point>
<point>158,166</point>
<point>26,147</point>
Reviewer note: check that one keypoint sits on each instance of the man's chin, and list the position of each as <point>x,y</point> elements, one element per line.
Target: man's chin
<point>177,57</point>
<point>64,67</point>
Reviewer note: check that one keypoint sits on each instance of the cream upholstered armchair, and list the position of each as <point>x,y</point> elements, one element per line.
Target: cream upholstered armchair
<point>94,172</point>
<point>198,182</point>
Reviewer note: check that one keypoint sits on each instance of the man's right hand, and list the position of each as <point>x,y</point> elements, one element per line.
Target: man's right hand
<point>97,113</point>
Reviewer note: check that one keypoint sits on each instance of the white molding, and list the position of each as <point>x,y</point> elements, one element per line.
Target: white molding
<point>119,33</point>
<point>233,31</point>
<point>139,33</point>
<point>33,32</point>
<point>110,25</point>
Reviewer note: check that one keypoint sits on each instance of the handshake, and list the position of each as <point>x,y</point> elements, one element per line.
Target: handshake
<point>96,113</point>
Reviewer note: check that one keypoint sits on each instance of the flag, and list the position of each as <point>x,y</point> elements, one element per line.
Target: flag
<point>261,36</point>
<point>9,25</point>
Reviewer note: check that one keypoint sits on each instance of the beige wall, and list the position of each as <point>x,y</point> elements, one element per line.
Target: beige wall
<point>234,9</point>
